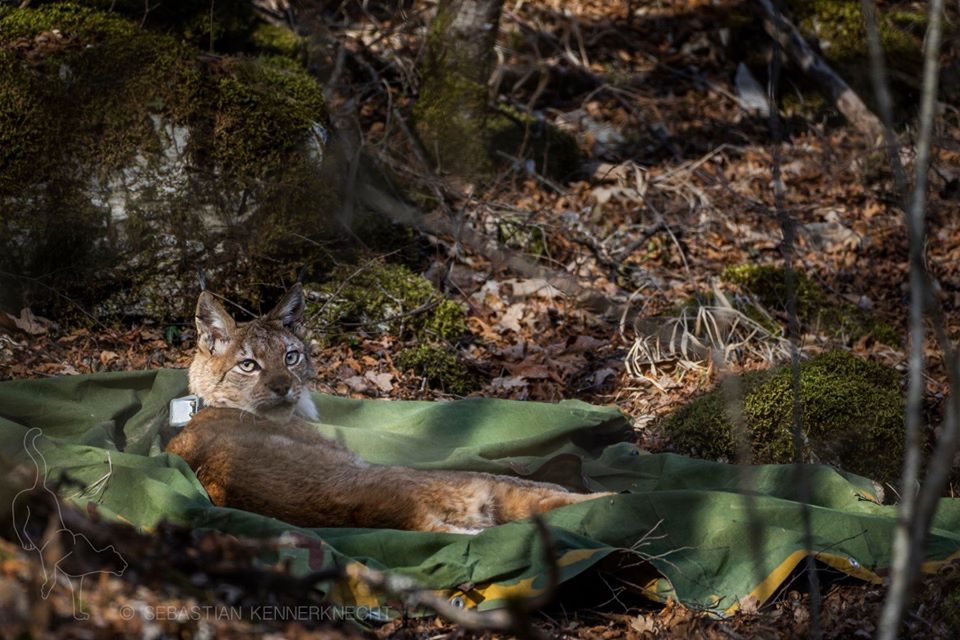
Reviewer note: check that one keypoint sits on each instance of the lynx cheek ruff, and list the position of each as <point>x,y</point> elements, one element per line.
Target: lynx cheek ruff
<point>183,409</point>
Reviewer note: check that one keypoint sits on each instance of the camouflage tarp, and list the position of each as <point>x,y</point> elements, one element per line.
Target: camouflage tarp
<point>681,528</point>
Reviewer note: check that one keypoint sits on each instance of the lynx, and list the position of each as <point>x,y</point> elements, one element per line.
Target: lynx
<point>253,448</point>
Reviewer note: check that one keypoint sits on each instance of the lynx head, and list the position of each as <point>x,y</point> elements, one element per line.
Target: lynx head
<point>261,366</point>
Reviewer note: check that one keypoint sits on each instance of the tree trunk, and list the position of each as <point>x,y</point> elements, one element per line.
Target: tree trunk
<point>452,106</point>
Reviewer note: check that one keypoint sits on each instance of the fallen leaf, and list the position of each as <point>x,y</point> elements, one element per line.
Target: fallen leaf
<point>384,381</point>
<point>508,382</point>
<point>536,287</point>
<point>530,371</point>
<point>511,319</point>
<point>29,323</point>
<point>357,383</point>
<point>107,356</point>
<point>586,343</point>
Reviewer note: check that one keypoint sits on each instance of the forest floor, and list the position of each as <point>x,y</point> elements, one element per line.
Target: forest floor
<point>676,186</point>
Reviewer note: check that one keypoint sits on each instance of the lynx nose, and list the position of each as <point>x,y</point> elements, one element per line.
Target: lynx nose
<point>280,385</point>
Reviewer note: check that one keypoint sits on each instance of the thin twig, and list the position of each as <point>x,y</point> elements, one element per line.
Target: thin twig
<point>915,513</point>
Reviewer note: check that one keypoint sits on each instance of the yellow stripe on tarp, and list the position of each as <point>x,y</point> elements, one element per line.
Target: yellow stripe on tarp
<point>351,590</point>
<point>769,585</point>
<point>842,563</point>
<point>517,590</point>
<point>934,566</point>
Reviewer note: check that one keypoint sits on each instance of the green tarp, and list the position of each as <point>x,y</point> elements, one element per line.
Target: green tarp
<point>680,529</point>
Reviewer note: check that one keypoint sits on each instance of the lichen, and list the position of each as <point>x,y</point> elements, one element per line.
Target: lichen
<point>851,412</point>
<point>815,309</point>
<point>379,298</point>
<point>440,368</point>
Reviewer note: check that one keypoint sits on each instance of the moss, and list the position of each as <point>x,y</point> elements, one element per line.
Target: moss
<point>852,415</point>
<point>840,28</point>
<point>815,310</point>
<point>231,23</point>
<point>523,236</point>
<point>809,104</point>
<point>265,107</point>
<point>451,109</point>
<point>86,101</point>
<point>273,40</point>
<point>440,368</point>
<point>769,284</point>
<point>379,298</point>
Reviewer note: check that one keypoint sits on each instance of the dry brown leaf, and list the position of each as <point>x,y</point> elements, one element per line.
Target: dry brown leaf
<point>586,343</point>
<point>357,383</point>
<point>29,323</point>
<point>508,382</point>
<point>383,381</point>
<point>511,319</point>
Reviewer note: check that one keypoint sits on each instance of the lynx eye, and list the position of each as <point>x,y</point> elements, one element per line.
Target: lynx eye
<point>293,357</point>
<point>248,365</point>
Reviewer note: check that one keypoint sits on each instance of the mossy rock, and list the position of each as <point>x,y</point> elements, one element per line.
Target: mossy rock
<point>379,298</point>
<point>227,25</point>
<point>839,28</point>
<point>815,309</point>
<point>441,369</point>
<point>130,159</point>
<point>851,412</point>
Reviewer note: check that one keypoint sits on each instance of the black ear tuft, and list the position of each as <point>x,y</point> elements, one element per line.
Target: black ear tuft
<point>289,311</point>
<point>215,327</point>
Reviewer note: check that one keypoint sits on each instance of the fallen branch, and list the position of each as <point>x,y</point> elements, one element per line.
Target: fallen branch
<point>844,98</point>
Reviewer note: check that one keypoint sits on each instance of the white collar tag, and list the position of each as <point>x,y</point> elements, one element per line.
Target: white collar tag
<point>183,409</point>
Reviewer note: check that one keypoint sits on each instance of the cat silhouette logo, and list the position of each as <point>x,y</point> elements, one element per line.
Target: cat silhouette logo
<point>59,544</point>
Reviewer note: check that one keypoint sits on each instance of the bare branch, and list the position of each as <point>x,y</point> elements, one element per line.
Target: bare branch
<point>915,513</point>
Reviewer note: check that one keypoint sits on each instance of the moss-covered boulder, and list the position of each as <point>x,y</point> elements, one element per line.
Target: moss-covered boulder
<point>379,297</point>
<point>439,367</point>
<point>816,311</point>
<point>851,412</point>
<point>131,158</point>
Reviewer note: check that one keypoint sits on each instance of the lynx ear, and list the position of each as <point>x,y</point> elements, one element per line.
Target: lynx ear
<point>215,327</point>
<point>289,312</point>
